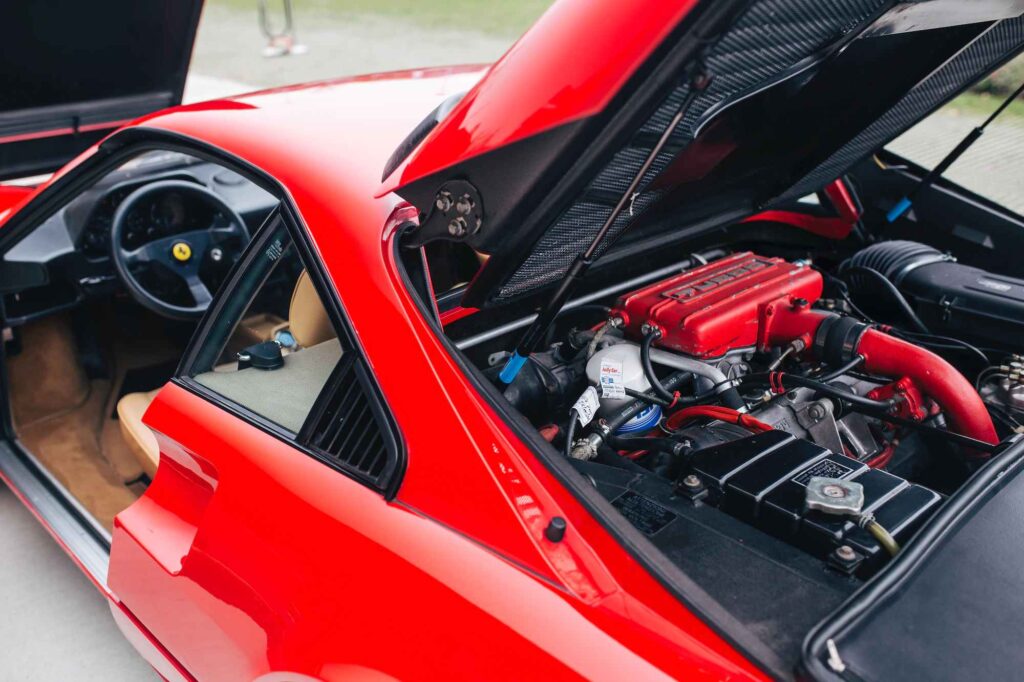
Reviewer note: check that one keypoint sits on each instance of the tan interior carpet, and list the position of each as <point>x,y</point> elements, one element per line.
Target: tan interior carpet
<point>67,421</point>
<point>68,445</point>
<point>64,419</point>
<point>46,377</point>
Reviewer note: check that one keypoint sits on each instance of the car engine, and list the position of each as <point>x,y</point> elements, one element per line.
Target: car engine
<point>738,388</point>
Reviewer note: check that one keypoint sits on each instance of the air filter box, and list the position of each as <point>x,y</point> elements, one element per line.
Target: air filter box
<point>950,297</point>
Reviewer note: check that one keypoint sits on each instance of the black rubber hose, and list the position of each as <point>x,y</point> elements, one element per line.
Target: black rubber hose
<point>649,399</point>
<point>681,401</point>
<point>966,441</point>
<point>645,362</point>
<point>731,398</point>
<point>874,408</point>
<point>893,292</point>
<point>570,432</point>
<point>626,413</point>
<point>823,388</point>
<point>840,371</point>
<point>944,343</point>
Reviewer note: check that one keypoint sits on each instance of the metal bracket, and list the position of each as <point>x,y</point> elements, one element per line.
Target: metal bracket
<point>457,214</point>
<point>819,419</point>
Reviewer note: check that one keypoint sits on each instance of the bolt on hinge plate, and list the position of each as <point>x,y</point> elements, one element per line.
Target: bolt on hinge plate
<point>457,213</point>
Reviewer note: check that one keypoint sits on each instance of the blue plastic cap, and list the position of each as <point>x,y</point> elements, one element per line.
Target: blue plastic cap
<point>512,367</point>
<point>644,421</point>
<point>901,207</point>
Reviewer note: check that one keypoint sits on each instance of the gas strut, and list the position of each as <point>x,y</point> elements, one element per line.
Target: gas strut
<point>904,204</point>
<point>534,335</point>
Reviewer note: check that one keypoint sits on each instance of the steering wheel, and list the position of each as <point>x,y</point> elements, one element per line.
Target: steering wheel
<point>180,254</point>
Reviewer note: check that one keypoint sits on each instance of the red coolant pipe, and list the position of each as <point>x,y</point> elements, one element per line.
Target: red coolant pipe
<point>784,321</point>
<point>725,414</point>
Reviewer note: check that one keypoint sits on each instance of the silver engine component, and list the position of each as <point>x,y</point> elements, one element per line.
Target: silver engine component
<point>798,413</point>
<point>1002,386</point>
<point>834,496</point>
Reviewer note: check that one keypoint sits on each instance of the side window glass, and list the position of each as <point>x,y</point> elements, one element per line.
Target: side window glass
<point>270,346</point>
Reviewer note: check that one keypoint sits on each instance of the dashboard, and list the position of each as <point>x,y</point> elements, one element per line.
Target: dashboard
<point>74,244</point>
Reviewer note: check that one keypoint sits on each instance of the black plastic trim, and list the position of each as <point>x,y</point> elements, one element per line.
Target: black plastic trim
<point>957,509</point>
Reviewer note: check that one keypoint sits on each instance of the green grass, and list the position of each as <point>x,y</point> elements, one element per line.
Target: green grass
<point>508,18</point>
<point>983,104</point>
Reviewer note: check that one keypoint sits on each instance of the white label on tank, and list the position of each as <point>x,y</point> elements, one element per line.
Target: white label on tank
<point>587,404</point>
<point>612,385</point>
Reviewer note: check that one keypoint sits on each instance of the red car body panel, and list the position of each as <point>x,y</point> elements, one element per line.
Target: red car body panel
<point>583,43</point>
<point>246,557</point>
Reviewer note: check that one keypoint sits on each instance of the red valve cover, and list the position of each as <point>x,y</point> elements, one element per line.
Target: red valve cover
<point>712,309</point>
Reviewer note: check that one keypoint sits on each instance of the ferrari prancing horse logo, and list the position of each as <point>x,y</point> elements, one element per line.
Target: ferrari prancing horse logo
<point>181,252</point>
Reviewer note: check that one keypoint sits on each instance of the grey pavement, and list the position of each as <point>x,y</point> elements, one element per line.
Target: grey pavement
<point>993,167</point>
<point>56,626</point>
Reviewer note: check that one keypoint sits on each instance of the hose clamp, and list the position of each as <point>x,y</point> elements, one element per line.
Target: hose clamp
<point>726,385</point>
<point>837,339</point>
<point>930,259</point>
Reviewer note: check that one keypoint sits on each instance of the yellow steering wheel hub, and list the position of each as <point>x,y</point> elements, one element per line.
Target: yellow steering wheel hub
<point>181,251</point>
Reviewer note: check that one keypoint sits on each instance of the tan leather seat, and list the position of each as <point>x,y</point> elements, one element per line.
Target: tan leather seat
<point>138,436</point>
<point>309,324</point>
<point>307,319</point>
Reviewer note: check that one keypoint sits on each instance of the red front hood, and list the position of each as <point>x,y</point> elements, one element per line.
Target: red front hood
<point>548,141</point>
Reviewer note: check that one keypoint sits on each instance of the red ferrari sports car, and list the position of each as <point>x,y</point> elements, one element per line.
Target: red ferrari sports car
<point>634,355</point>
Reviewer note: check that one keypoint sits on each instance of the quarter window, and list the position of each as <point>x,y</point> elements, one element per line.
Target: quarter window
<point>270,347</point>
<point>273,346</point>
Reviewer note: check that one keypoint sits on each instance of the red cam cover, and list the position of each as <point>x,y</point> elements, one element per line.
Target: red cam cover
<point>710,310</point>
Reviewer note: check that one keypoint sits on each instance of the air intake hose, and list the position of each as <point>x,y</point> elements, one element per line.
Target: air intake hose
<point>896,259</point>
<point>945,296</point>
<point>838,339</point>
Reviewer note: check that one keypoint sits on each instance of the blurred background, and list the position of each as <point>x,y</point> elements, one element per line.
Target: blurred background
<point>347,37</point>
<point>245,45</point>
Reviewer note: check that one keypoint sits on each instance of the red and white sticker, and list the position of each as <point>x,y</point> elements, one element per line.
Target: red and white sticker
<point>610,379</point>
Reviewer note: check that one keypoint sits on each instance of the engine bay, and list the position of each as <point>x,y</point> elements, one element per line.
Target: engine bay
<point>749,416</point>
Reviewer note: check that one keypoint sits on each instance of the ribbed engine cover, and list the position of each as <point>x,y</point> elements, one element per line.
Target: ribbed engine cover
<point>710,310</point>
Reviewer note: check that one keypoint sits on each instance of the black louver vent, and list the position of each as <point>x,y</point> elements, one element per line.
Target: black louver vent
<point>350,427</point>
